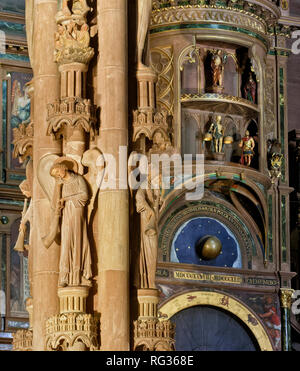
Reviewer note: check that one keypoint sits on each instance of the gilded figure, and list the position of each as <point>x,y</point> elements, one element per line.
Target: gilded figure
<point>247,144</point>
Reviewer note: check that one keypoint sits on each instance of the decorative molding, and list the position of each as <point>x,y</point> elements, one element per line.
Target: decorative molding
<point>72,331</point>
<point>71,112</point>
<point>162,62</point>
<point>198,14</point>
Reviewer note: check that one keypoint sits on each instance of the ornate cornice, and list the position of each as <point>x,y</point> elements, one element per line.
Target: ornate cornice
<point>255,15</point>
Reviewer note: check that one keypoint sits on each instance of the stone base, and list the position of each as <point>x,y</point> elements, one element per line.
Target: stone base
<point>216,89</point>
<point>154,335</point>
<point>217,156</point>
<point>22,340</point>
<point>73,299</point>
<point>72,332</point>
<point>148,300</point>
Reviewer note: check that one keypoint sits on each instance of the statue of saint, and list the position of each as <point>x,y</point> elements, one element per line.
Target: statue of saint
<point>217,131</point>
<point>250,89</point>
<point>147,204</point>
<point>75,256</point>
<point>217,67</point>
<point>247,144</point>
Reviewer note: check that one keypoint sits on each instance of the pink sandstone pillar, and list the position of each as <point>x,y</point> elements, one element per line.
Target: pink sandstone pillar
<point>113,214</point>
<point>46,90</point>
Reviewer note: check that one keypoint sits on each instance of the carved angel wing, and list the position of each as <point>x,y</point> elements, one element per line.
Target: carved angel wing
<point>93,159</point>
<point>47,182</point>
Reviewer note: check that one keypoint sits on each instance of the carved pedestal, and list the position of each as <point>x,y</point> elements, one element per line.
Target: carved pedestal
<point>216,156</point>
<point>73,329</point>
<point>149,332</point>
<point>22,340</point>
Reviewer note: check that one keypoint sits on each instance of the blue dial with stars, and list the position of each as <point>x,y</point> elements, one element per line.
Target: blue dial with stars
<point>184,245</point>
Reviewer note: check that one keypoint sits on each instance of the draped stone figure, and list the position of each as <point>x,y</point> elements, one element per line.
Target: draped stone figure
<point>75,256</point>
<point>29,18</point>
<point>147,201</point>
<point>144,13</point>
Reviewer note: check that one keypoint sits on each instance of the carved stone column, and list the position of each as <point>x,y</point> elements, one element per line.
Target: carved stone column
<point>46,89</point>
<point>72,117</point>
<point>113,214</point>
<point>149,122</point>
<point>286,302</point>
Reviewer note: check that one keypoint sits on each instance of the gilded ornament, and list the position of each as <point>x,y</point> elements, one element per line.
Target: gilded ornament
<point>286,297</point>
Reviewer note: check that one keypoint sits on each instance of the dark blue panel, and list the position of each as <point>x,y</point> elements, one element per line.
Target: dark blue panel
<point>185,242</point>
<point>203,328</point>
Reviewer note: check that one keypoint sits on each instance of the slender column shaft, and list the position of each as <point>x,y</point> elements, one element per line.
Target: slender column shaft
<point>46,90</point>
<point>113,215</point>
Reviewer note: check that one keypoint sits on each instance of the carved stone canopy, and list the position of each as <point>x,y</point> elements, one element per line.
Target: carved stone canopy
<point>73,113</point>
<point>23,141</point>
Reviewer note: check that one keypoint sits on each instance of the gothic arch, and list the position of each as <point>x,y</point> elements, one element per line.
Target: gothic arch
<point>220,300</point>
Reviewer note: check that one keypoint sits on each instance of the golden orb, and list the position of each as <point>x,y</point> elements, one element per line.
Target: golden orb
<point>211,247</point>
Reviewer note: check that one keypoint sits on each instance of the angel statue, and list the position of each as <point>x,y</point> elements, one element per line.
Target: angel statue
<point>69,199</point>
<point>147,205</point>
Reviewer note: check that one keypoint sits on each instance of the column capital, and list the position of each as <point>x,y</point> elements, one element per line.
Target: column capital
<point>286,297</point>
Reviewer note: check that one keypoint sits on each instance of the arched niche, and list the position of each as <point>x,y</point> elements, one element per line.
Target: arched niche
<point>192,77</point>
<point>222,212</point>
<point>231,76</point>
<point>230,130</point>
<point>223,301</point>
<point>189,134</point>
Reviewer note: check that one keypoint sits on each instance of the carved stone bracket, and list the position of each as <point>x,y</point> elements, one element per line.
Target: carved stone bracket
<point>71,114</point>
<point>149,332</point>
<point>23,141</point>
<point>72,332</point>
<point>22,340</point>
<point>73,329</point>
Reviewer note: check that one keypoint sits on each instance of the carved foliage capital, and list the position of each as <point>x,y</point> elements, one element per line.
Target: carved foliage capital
<point>286,298</point>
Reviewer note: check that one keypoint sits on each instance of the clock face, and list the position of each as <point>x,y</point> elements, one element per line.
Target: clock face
<point>185,246</point>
